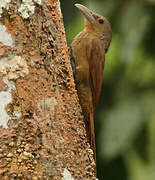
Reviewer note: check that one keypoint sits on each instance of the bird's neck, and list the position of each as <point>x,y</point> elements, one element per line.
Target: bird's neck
<point>97,34</point>
<point>93,32</point>
<point>103,37</point>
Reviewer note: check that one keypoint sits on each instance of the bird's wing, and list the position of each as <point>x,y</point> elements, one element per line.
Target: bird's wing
<point>96,58</point>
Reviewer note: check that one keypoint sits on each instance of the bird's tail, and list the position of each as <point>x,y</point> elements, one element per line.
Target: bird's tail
<point>92,132</point>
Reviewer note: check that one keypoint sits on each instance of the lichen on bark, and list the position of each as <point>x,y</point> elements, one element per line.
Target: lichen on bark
<point>46,132</point>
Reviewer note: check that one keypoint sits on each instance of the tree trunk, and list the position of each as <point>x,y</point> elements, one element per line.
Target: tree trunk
<point>42,133</point>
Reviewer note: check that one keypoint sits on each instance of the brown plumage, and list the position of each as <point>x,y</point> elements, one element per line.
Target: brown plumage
<point>89,48</point>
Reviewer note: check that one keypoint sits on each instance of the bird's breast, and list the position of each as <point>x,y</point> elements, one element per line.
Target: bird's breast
<point>79,46</point>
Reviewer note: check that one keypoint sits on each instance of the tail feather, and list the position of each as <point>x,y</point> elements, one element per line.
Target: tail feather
<point>92,132</point>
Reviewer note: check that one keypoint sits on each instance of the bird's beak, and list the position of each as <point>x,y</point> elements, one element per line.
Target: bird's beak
<point>86,12</point>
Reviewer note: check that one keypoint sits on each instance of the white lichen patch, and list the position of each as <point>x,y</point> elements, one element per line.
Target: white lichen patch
<point>66,175</point>
<point>38,1</point>
<point>5,98</point>
<point>5,37</point>
<point>45,110</point>
<point>4,4</point>
<point>17,114</point>
<point>47,103</point>
<point>27,8</point>
<point>13,67</point>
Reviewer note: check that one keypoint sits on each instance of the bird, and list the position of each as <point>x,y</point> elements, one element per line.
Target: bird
<point>88,49</point>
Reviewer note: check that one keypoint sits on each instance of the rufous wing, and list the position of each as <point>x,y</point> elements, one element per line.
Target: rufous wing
<point>96,58</point>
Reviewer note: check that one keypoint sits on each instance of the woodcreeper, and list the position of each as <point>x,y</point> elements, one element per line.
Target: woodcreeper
<point>89,48</point>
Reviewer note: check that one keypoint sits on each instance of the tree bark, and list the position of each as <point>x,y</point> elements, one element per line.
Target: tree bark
<point>42,133</point>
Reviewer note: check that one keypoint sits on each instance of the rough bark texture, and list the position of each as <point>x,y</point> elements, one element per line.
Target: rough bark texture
<point>42,134</point>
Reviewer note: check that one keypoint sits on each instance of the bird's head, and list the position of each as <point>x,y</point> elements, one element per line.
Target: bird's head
<point>95,23</point>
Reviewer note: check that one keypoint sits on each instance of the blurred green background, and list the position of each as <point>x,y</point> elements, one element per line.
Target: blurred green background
<point>125,115</point>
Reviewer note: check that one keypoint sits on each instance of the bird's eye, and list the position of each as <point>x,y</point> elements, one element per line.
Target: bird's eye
<point>101,21</point>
